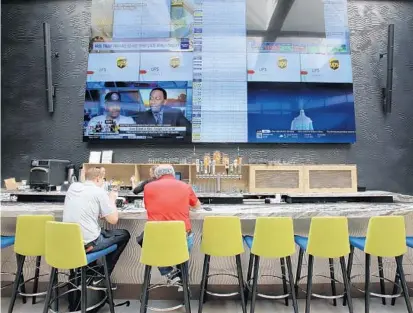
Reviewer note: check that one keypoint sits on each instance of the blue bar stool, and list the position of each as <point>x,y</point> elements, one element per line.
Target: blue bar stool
<point>386,237</point>
<point>8,241</point>
<point>65,250</point>
<point>409,243</point>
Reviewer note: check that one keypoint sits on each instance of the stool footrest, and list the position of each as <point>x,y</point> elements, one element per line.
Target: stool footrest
<point>248,283</point>
<point>379,295</point>
<point>173,308</point>
<point>231,294</point>
<point>156,286</point>
<point>7,285</point>
<point>264,296</point>
<point>278,297</point>
<point>87,309</point>
<point>127,303</point>
<point>222,294</point>
<point>316,295</point>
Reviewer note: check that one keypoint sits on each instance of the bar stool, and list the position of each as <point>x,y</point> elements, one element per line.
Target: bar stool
<point>29,241</point>
<point>409,243</point>
<point>8,241</point>
<point>273,238</point>
<point>165,244</point>
<point>65,251</point>
<point>221,237</point>
<point>328,238</point>
<point>386,237</point>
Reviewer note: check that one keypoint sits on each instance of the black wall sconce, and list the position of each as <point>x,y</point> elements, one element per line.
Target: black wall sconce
<point>387,90</point>
<point>50,90</point>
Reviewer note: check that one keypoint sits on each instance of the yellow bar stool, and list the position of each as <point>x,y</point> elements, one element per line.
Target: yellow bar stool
<point>65,251</point>
<point>165,244</point>
<point>328,238</point>
<point>29,242</point>
<point>273,238</point>
<point>386,238</point>
<point>221,237</point>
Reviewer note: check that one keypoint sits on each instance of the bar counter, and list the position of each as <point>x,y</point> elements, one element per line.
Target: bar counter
<point>129,273</point>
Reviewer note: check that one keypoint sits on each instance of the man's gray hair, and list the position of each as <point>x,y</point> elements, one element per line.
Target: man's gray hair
<point>164,169</point>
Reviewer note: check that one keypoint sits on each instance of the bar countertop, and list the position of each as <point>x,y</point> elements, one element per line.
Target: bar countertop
<point>129,272</point>
<point>403,205</point>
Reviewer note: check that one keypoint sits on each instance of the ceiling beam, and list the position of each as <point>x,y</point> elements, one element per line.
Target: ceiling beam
<point>277,19</point>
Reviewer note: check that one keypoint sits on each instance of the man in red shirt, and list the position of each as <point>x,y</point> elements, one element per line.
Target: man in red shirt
<point>169,199</point>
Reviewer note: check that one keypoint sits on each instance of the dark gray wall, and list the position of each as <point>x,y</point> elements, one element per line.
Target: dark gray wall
<point>384,147</point>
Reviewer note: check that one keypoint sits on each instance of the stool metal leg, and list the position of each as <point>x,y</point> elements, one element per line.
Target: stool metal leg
<point>185,285</point>
<point>23,288</point>
<point>347,287</point>
<point>249,273</point>
<point>36,278</point>
<point>284,278</point>
<point>332,281</point>
<point>291,280</point>
<point>400,270</point>
<point>255,282</point>
<point>71,297</point>
<point>18,278</point>
<point>207,279</point>
<point>204,283</point>
<point>367,284</point>
<point>349,267</point>
<point>241,283</point>
<point>108,285</point>
<point>78,282</point>
<point>299,266</point>
<point>395,287</point>
<point>83,296</point>
<point>49,290</point>
<point>309,282</point>
<point>381,274</point>
<point>56,292</point>
<point>145,289</point>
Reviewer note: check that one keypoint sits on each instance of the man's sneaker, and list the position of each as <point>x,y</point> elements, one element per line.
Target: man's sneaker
<point>100,284</point>
<point>174,279</point>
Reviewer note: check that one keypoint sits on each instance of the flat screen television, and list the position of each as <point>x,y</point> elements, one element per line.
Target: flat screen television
<point>187,71</point>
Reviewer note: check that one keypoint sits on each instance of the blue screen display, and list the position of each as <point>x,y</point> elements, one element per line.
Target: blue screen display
<point>300,112</point>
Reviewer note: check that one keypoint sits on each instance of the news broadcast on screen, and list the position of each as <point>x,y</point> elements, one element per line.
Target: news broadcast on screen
<point>186,71</point>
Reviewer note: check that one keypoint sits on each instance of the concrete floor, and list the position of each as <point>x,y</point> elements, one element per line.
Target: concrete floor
<point>263,306</point>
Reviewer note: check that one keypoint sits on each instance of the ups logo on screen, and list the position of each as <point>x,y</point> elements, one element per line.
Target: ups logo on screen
<point>175,62</point>
<point>121,62</point>
<point>282,63</point>
<point>334,64</point>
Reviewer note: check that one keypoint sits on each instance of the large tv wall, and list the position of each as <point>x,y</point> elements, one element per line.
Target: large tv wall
<point>247,71</point>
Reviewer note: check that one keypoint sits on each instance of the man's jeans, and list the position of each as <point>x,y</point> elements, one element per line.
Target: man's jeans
<point>107,238</point>
<point>166,270</point>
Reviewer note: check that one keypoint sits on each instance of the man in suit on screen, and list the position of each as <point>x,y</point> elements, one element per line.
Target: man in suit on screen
<point>160,114</point>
